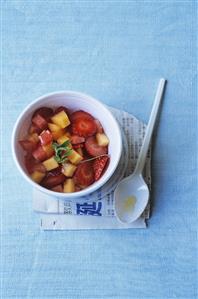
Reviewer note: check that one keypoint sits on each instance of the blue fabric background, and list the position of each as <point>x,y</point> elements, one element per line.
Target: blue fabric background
<point>115,51</point>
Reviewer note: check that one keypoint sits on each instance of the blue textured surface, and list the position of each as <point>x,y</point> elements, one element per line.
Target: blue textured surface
<point>115,51</point>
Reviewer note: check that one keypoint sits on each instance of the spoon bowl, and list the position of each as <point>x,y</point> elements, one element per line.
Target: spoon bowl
<point>133,195</point>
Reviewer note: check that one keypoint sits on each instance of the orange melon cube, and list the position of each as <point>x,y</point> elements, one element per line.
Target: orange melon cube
<point>49,150</point>
<point>58,134</point>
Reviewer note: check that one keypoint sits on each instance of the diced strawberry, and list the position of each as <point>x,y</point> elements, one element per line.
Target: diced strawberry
<point>32,164</point>
<point>58,188</point>
<point>93,148</point>
<point>40,121</point>
<point>45,137</point>
<point>84,174</point>
<point>29,163</point>
<point>45,112</point>
<point>56,171</point>
<point>84,127</point>
<point>79,115</point>
<point>39,153</point>
<point>34,129</point>
<point>99,166</point>
<point>27,145</point>
<point>79,145</point>
<point>75,139</point>
<point>77,188</point>
<point>52,180</point>
<point>99,127</point>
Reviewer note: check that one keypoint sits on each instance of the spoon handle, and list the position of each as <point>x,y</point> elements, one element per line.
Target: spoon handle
<point>149,130</point>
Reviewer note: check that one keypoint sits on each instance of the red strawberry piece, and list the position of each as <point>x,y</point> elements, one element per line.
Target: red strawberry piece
<point>58,188</point>
<point>77,188</point>
<point>80,114</point>
<point>45,137</point>
<point>29,163</point>
<point>39,153</point>
<point>93,148</point>
<point>56,171</point>
<point>99,166</point>
<point>75,139</point>
<point>84,127</point>
<point>34,129</point>
<point>61,108</point>
<point>32,164</point>
<point>52,180</point>
<point>99,127</point>
<point>84,174</point>
<point>79,145</point>
<point>39,121</point>
<point>45,112</point>
<point>27,145</point>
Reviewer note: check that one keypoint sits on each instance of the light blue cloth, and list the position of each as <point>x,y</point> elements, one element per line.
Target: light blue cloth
<point>115,51</point>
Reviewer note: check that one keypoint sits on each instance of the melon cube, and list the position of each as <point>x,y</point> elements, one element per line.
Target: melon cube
<point>58,134</point>
<point>61,119</point>
<point>34,137</point>
<point>53,127</point>
<point>80,151</point>
<point>68,169</point>
<point>102,139</point>
<point>74,157</point>
<point>68,134</point>
<point>69,186</point>
<point>62,139</point>
<point>37,176</point>
<point>50,164</point>
<point>48,149</point>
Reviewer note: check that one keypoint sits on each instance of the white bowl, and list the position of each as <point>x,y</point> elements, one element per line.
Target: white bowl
<point>74,101</point>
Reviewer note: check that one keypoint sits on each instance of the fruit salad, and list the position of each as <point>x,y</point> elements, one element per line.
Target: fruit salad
<point>65,151</point>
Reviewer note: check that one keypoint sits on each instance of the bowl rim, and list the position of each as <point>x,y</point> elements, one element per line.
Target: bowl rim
<point>90,189</point>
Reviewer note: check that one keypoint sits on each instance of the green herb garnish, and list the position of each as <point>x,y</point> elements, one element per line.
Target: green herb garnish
<point>62,151</point>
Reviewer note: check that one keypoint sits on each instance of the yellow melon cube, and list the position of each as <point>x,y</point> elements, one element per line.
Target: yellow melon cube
<point>102,139</point>
<point>68,134</point>
<point>58,134</point>
<point>69,186</point>
<point>53,127</point>
<point>74,157</point>
<point>61,119</point>
<point>80,151</point>
<point>34,138</point>
<point>62,139</point>
<point>50,164</point>
<point>68,169</point>
<point>37,176</point>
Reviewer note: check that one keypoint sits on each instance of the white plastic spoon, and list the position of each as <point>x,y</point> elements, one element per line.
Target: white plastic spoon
<point>132,194</point>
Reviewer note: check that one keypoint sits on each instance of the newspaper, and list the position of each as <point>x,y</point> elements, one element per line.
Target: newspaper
<point>96,211</point>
